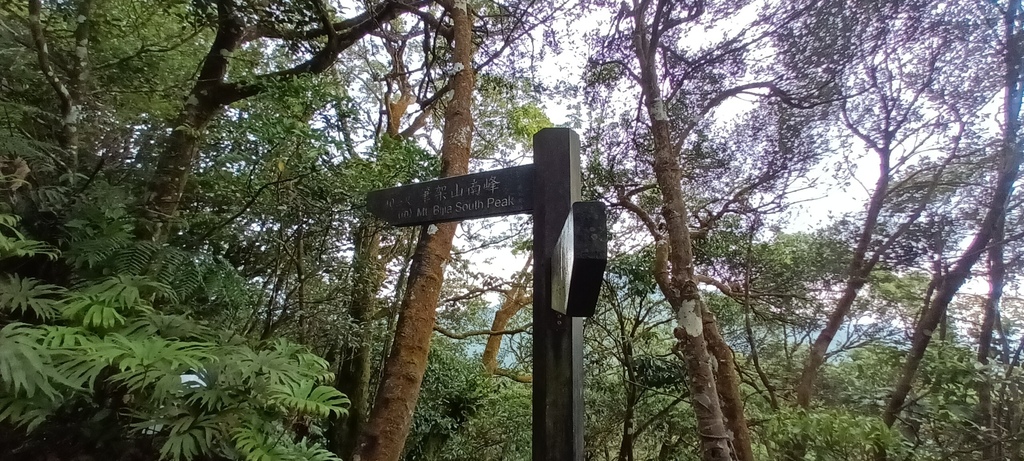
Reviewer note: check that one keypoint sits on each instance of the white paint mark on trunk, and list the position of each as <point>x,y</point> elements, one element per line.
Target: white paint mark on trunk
<point>431,229</point>
<point>72,116</point>
<point>688,318</point>
<point>659,112</point>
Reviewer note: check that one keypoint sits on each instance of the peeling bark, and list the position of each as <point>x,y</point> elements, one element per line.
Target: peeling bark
<point>728,379</point>
<point>674,263</point>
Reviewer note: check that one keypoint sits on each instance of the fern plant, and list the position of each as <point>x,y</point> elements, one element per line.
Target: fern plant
<point>102,352</point>
<point>13,243</point>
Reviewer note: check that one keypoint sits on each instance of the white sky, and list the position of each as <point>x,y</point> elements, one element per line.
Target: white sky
<point>814,208</point>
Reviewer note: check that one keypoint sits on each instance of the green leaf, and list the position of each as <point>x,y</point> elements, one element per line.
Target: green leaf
<point>24,366</point>
<point>309,399</point>
<point>22,295</point>
<point>25,412</point>
<point>190,436</point>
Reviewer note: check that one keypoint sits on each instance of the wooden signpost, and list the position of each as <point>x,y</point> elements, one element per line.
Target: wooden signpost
<point>570,251</point>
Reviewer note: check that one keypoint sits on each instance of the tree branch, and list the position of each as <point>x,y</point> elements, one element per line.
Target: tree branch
<point>35,25</point>
<point>340,37</point>
<point>471,333</point>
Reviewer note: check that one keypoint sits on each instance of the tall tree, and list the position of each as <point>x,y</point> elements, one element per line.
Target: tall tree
<point>889,107</point>
<point>390,419</point>
<point>1009,157</point>
<point>213,92</point>
<point>679,90</point>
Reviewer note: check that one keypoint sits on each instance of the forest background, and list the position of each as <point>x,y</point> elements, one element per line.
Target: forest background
<point>816,234</point>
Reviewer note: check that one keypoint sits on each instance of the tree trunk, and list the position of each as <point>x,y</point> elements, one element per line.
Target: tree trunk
<point>70,96</point>
<point>1014,450</point>
<point>996,275</point>
<point>515,299</point>
<point>628,433</point>
<point>748,328</point>
<point>857,273</point>
<point>353,378</point>
<point>728,378</point>
<point>629,381</point>
<point>674,266</point>
<point>385,433</point>
<point>354,370</point>
<point>669,447</point>
<point>1010,159</point>
<point>211,94</point>
<point>179,153</point>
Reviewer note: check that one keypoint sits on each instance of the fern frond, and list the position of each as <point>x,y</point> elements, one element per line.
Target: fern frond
<point>105,304</point>
<point>213,400</point>
<point>266,444</point>
<point>81,370</point>
<point>304,452</point>
<point>171,261</point>
<point>93,252</point>
<point>14,244</point>
<point>309,399</point>
<point>93,312</point>
<point>135,259</point>
<point>24,366</point>
<point>60,337</point>
<point>25,412</point>
<point>147,352</point>
<point>266,366</point>
<point>316,367</point>
<point>256,445</point>
<point>49,198</point>
<point>176,326</point>
<point>189,436</point>
<point>26,294</point>
<point>80,365</point>
<point>127,290</point>
<point>38,153</point>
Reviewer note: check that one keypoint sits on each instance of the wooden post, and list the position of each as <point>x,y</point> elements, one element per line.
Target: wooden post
<point>557,339</point>
<point>576,232</point>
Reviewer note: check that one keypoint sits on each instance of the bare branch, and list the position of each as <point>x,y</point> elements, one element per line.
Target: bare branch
<point>471,333</point>
<point>625,201</point>
<point>526,379</point>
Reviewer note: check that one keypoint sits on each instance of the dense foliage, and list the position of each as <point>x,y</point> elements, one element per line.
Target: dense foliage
<point>188,271</point>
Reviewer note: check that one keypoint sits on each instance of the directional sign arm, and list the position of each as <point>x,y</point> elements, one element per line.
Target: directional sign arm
<point>579,260</point>
<point>479,195</point>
